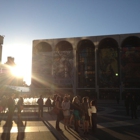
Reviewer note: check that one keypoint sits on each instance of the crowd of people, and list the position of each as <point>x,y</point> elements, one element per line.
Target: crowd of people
<point>9,103</point>
<point>75,112</point>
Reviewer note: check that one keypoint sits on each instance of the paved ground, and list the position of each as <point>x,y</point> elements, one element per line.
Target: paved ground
<point>113,124</point>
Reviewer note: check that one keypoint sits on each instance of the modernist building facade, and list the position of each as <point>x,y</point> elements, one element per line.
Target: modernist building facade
<point>103,66</point>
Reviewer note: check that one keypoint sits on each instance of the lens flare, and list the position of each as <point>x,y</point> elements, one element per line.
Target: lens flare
<point>16,71</point>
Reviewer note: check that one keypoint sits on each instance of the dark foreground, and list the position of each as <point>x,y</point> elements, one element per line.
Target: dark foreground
<point>113,124</point>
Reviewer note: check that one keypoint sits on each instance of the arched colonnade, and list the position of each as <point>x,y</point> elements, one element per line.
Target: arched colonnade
<point>102,66</point>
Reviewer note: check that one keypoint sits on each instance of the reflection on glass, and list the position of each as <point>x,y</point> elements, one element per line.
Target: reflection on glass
<point>130,66</point>
<point>86,65</point>
<point>108,67</point>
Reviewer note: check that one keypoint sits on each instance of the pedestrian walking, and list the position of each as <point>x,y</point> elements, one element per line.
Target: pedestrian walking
<point>66,111</point>
<point>11,106</point>
<point>76,113</point>
<point>59,113</point>
<point>20,106</point>
<point>93,115</point>
<point>40,106</point>
<point>48,104</point>
<point>4,103</point>
<point>85,115</point>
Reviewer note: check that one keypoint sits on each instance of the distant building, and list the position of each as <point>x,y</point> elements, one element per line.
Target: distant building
<point>6,77</point>
<point>10,61</point>
<point>103,66</point>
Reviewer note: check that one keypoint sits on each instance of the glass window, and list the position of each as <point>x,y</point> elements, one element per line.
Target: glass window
<point>108,70</point>
<point>86,65</point>
<point>130,62</point>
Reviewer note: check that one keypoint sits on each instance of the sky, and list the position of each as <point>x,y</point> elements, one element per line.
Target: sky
<point>23,21</point>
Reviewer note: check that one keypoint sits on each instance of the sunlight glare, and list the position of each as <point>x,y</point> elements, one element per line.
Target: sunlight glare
<point>23,58</point>
<point>16,71</point>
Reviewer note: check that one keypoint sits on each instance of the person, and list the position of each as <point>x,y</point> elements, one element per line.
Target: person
<point>59,115</point>
<point>40,106</point>
<point>4,103</point>
<point>85,115</point>
<point>66,111</point>
<point>20,106</point>
<point>133,107</point>
<point>11,106</point>
<point>127,104</point>
<point>93,115</point>
<point>48,104</point>
<point>54,99</point>
<point>71,114</point>
<point>7,129</point>
<point>76,113</point>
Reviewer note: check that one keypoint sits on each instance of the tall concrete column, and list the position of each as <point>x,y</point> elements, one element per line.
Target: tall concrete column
<point>96,73</point>
<point>53,80</point>
<point>120,80</point>
<point>74,71</point>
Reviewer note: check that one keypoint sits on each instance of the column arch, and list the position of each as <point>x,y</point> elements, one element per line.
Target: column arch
<point>63,46</point>
<point>63,65</point>
<point>108,60</point>
<point>86,64</point>
<point>108,68</point>
<point>42,65</point>
<point>130,62</point>
<point>42,47</point>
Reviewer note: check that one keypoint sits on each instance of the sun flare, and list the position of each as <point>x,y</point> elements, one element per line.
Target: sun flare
<point>17,71</point>
<point>23,60</point>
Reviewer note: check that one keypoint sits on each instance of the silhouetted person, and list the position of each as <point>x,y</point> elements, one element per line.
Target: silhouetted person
<point>127,104</point>
<point>94,115</point>
<point>76,113</point>
<point>11,106</point>
<point>133,107</point>
<point>4,103</point>
<point>6,129</point>
<point>48,104</point>
<point>40,106</point>
<point>20,106</point>
<point>59,114</point>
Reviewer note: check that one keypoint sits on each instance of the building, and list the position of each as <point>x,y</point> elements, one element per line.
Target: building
<point>8,81</point>
<point>103,66</point>
<point>10,61</point>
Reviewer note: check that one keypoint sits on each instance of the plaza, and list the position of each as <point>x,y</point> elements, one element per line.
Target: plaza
<point>112,124</point>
